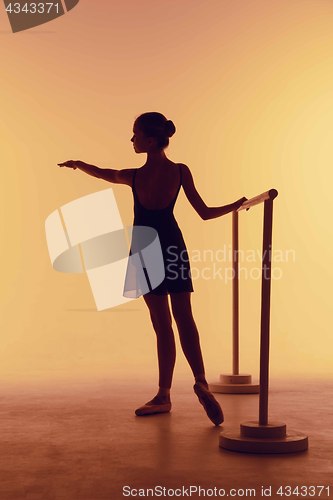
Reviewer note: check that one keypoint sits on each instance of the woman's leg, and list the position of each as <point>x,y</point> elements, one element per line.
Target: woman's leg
<point>188,333</point>
<point>158,306</point>
<point>189,338</point>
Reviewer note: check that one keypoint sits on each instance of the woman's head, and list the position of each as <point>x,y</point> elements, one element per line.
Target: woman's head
<point>154,127</point>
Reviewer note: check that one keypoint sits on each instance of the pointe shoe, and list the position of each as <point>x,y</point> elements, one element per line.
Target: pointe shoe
<point>211,406</point>
<point>150,409</point>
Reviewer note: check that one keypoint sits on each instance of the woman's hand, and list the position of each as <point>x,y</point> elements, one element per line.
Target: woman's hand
<point>240,202</point>
<point>72,164</point>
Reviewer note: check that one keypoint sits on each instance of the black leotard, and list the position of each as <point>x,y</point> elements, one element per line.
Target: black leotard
<point>175,256</point>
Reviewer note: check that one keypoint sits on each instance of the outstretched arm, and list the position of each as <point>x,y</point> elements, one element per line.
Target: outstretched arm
<point>109,174</point>
<point>197,202</point>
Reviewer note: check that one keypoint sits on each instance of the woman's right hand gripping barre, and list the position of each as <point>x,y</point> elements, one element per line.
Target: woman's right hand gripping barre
<point>240,202</point>
<point>213,212</point>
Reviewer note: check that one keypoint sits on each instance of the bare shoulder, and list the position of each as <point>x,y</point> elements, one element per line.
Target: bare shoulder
<point>186,172</point>
<point>183,166</point>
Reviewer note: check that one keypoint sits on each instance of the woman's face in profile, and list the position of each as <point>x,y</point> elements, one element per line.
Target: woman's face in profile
<point>141,142</point>
<point>138,139</point>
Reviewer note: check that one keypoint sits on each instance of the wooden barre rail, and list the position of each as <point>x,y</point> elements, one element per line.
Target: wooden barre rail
<point>268,195</point>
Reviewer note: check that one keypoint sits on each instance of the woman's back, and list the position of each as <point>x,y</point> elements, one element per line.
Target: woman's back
<point>156,187</point>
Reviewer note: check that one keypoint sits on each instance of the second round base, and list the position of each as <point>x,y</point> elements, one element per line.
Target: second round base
<point>235,384</point>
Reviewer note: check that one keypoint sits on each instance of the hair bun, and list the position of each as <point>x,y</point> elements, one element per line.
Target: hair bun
<point>170,128</point>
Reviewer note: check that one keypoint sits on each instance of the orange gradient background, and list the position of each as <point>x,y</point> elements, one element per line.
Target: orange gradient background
<point>249,86</point>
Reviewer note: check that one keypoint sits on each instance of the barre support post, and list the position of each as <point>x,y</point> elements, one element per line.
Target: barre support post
<point>265,311</point>
<point>235,295</point>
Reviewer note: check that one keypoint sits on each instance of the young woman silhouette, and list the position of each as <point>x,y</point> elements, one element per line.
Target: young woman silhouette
<point>155,188</point>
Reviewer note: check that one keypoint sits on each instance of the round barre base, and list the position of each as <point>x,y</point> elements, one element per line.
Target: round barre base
<point>270,438</point>
<point>235,384</point>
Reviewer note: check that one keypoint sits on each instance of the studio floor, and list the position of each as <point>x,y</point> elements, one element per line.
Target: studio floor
<point>75,441</point>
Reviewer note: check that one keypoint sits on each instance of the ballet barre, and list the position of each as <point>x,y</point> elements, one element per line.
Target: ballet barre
<point>262,436</point>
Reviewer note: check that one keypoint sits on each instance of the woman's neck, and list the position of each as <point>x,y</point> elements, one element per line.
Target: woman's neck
<point>156,159</point>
